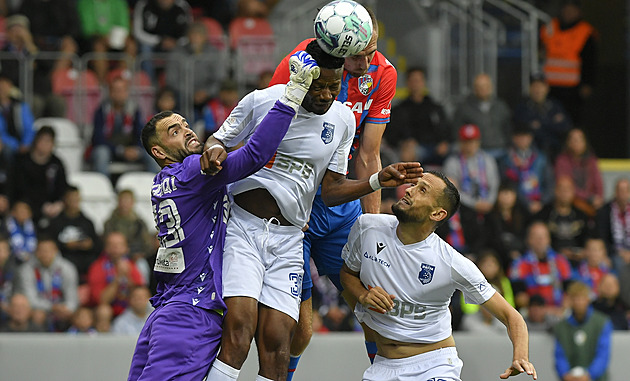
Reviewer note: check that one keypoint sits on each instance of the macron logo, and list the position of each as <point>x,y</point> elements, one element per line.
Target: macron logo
<point>379,247</point>
<point>195,301</point>
<point>202,276</point>
<point>199,289</point>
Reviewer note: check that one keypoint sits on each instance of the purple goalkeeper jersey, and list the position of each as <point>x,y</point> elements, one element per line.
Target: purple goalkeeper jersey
<point>191,210</point>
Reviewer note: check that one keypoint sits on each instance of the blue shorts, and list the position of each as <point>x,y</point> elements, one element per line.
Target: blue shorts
<point>178,341</point>
<point>327,233</point>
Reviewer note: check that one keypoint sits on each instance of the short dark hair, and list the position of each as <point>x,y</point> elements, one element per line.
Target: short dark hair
<point>449,199</point>
<point>414,69</point>
<point>45,130</point>
<point>323,59</point>
<point>148,135</point>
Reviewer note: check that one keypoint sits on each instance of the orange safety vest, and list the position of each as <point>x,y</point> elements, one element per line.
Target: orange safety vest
<point>563,64</point>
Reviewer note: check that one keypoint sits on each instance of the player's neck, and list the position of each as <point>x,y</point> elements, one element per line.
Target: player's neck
<point>413,232</point>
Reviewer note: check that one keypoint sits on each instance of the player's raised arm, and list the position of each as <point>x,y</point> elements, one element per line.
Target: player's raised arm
<point>265,140</point>
<point>517,331</point>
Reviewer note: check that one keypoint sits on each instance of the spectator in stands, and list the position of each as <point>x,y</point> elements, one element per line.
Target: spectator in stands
<point>207,72</point>
<point>117,125</point>
<point>580,163</point>
<point>529,169</point>
<point>20,316</point>
<point>22,232</point>
<point>608,302</point>
<point>104,26</point>
<point>50,282</point>
<point>8,272</point>
<point>166,100</point>
<point>160,25</point>
<point>478,319</point>
<point>474,170</point>
<point>583,339</point>
<point>82,321</point>
<point>103,315</point>
<point>75,234</point>
<point>569,226</point>
<point>541,270</point>
<point>544,115</point>
<point>254,8</point>
<point>263,79</point>
<point>613,221</point>
<point>16,120</point>
<point>19,42</point>
<point>570,52</point>
<point>112,275</point>
<point>6,180</point>
<point>132,320</point>
<point>125,220</point>
<point>506,226</point>
<point>594,264</point>
<point>418,124</point>
<point>39,176</point>
<point>221,10</point>
<point>216,111</point>
<point>491,114</point>
<point>623,272</point>
<point>536,315</point>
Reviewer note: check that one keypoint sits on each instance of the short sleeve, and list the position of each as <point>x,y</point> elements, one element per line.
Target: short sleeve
<point>339,161</point>
<point>351,252</point>
<point>470,280</point>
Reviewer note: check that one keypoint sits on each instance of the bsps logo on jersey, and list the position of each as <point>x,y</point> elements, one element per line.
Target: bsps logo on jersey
<point>426,273</point>
<point>328,132</point>
<point>365,83</point>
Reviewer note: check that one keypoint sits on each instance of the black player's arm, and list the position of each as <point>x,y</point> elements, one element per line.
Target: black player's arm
<point>337,189</point>
<point>374,298</point>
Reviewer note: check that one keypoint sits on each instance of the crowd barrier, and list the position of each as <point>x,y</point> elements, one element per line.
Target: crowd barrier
<point>330,357</point>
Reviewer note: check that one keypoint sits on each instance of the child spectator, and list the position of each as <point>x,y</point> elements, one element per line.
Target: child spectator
<point>21,229</point>
<point>20,316</point>
<point>132,320</point>
<point>594,264</point>
<point>608,302</point>
<point>8,273</point>
<point>83,322</point>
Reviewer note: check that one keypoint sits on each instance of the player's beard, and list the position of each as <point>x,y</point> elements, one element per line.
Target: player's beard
<point>178,155</point>
<point>401,214</point>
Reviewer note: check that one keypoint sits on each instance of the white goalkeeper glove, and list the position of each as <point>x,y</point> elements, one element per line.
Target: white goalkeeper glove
<point>303,70</point>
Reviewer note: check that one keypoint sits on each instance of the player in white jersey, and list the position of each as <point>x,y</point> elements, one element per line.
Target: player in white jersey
<point>404,275</point>
<point>263,259</point>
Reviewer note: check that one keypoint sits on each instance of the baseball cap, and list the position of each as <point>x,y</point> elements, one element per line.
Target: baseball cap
<point>17,20</point>
<point>469,132</point>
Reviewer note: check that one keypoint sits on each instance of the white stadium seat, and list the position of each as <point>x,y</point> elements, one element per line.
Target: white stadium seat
<point>98,198</point>
<point>140,183</point>
<point>69,146</point>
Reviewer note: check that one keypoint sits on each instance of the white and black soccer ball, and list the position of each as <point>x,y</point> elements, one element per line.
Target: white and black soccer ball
<point>343,28</point>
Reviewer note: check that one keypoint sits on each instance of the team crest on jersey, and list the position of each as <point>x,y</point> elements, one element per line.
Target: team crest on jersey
<point>365,83</point>
<point>328,132</point>
<point>426,273</point>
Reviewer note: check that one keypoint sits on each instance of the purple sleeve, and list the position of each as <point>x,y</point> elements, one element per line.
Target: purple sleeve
<point>259,149</point>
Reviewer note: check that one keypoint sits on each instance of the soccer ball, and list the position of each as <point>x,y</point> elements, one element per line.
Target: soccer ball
<point>343,28</point>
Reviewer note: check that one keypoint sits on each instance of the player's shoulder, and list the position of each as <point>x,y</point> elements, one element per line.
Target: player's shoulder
<point>443,249</point>
<point>343,112</point>
<point>383,63</point>
<point>370,220</point>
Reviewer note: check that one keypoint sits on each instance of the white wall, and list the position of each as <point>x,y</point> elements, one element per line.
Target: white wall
<point>329,357</point>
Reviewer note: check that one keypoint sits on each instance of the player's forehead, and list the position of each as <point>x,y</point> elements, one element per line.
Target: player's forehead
<point>329,76</point>
<point>431,181</point>
<point>369,49</point>
<point>171,120</point>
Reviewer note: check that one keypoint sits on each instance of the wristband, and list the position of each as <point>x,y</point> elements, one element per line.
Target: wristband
<point>215,145</point>
<point>374,182</point>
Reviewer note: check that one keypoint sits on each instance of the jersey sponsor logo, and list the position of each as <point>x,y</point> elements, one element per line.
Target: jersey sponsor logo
<point>170,260</point>
<point>294,165</point>
<point>358,107</point>
<point>379,247</point>
<point>365,83</point>
<point>376,260</point>
<point>437,378</point>
<point>408,310</point>
<point>296,287</point>
<point>426,273</point>
<point>328,132</point>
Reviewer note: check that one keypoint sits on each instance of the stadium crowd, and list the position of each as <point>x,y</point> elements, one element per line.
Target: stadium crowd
<point>533,217</point>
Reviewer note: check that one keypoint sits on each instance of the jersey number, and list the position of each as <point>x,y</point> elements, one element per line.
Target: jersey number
<point>168,214</point>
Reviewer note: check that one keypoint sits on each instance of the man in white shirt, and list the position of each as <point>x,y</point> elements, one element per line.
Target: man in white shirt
<point>403,276</point>
<point>263,258</point>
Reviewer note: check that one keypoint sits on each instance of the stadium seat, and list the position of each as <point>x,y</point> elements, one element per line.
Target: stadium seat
<point>140,183</point>
<point>248,27</point>
<point>141,88</point>
<point>69,146</point>
<point>98,199</point>
<point>81,92</point>
<point>216,35</point>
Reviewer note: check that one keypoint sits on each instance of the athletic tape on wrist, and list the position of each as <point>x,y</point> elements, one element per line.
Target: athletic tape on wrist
<point>374,183</point>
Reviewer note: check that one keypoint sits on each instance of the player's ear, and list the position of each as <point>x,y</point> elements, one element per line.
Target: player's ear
<point>158,152</point>
<point>438,214</point>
